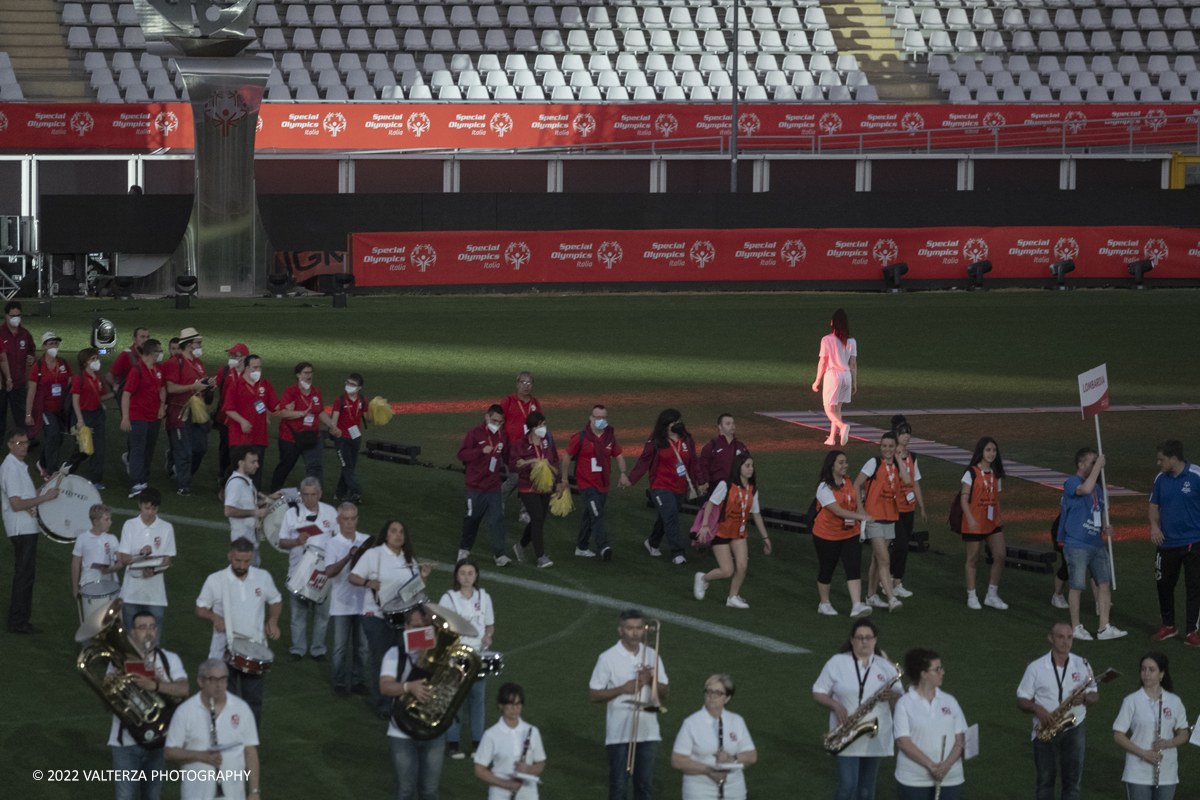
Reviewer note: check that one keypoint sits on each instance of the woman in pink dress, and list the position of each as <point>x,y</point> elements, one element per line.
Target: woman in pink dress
<point>839,368</point>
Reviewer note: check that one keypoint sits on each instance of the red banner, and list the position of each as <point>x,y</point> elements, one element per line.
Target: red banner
<point>799,254</point>
<point>327,126</point>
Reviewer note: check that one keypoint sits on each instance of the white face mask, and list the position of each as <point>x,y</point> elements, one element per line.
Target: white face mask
<point>493,427</point>
<point>233,362</point>
<point>197,352</point>
<point>158,356</point>
<point>94,364</point>
<point>306,385</point>
<point>14,321</point>
<point>350,389</point>
<point>52,352</point>
<point>540,431</point>
<point>254,376</point>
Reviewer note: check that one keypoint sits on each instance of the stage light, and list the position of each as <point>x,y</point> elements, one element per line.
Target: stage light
<point>123,287</point>
<point>976,272</point>
<point>185,287</point>
<point>278,283</point>
<point>342,283</point>
<point>104,335</point>
<point>1059,270</point>
<point>891,276</point>
<point>1138,270</point>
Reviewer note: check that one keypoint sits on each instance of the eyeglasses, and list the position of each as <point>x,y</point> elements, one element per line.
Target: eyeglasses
<point>513,703</point>
<point>939,669</point>
<point>714,693</point>
<point>870,638</point>
<point>525,383</point>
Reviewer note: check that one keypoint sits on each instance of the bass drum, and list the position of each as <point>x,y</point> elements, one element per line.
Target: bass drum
<point>66,516</point>
<point>273,522</point>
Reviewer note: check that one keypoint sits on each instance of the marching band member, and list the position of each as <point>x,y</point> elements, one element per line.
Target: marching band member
<point>736,502</point>
<point>215,730</point>
<point>418,764</point>
<point>523,454</point>
<point>147,534</point>
<point>509,747</point>
<point>471,602</point>
<point>169,678</point>
<point>835,534</point>
<point>710,738</point>
<point>310,523</point>
<point>237,601</point>
<point>930,731</point>
<point>1047,682</point>
<point>95,553</point>
<point>838,365</point>
<point>241,499</point>
<point>856,673</point>
<point>483,457</point>
<point>351,652</point>
<point>623,675</point>
<point>879,482</point>
<point>1151,725</point>
<point>18,502</point>
<point>980,500</point>
<point>1081,530</point>
<point>388,561</point>
<point>907,500</point>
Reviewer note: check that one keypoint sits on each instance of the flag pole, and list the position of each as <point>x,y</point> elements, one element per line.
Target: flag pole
<point>1112,567</point>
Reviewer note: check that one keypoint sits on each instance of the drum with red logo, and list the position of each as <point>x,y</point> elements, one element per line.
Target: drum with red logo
<point>309,581</point>
<point>246,656</point>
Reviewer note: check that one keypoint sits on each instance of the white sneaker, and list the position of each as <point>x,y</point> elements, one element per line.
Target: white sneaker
<point>860,610</point>
<point>900,591</point>
<point>138,489</point>
<point>973,602</point>
<point>677,560</point>
<point>1111,632</point>
<point>994,601</point>
<point>519,552</point>
<point>827,609</point>
<point>654,551</point>
<point>503,561</point>
<point>584,553</point>
<point>462,554</point>
<point>524,517</point>
<point>699,586</point>
<point>894,604</point>
<point>1058,601</point>
<point>736,602</point>
<point>845,433</point>
<point>1081,634</point>
<point>874,600</point>
<point>544,562</point>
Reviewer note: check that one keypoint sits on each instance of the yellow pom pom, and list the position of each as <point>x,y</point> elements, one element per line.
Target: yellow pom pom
<point>541,476</point>
<point>198,409</point>
<point>86,446</point>
<point>379,411</point>
<point>562,505</point>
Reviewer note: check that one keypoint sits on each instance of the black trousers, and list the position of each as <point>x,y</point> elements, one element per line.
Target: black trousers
<point>1168,562</point>
<point>250,689</point>
<point>538,505</point>
<point>24,561</point>
<point>898,547</point>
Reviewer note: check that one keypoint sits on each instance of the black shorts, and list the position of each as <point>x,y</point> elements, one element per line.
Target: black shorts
<point>719,541</point>
<point>980,537</point>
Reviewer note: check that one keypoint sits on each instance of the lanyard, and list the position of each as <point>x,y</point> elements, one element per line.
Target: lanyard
<point>1060,681</point>
<point>862,680</point>
<point>677,450</point>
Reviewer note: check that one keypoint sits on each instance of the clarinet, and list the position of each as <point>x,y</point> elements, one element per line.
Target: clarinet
<point>212,711</point>
<point>937,786</point>
<point>720,747</point>
<point>524,752</point>
<point>1157,733</point>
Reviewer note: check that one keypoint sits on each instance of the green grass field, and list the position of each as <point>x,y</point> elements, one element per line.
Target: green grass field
<point>703,354</point>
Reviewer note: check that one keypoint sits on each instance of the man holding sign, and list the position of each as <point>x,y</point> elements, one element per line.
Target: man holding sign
<point>1175,531</point>
<point>1080,533</point>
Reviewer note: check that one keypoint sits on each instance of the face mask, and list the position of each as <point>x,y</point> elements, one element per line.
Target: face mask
<point>306,385</point>
<point>678,429</point>
<point>94,364</point>
<point>540,431</point>
<point>14,321</point>
<point>351,389</point>
<point>52,352</point>
<point>233,362</point>
<point>254,376</point>
<point>601,424</point>
<point>197,352</point>
<point>493,428</point>
<point>158,357</point>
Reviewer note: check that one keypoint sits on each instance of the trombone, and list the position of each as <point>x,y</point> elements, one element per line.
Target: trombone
<point>653,705</point>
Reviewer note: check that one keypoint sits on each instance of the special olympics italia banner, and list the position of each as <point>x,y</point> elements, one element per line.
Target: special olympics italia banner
<point>781,254</point>
<point>383,126</point>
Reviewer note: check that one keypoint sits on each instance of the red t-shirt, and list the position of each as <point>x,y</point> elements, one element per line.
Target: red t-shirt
<point>90,389</point>
<point>593,458</point>
<point>182,371</point>
<point>123,364</point>
<point>350,412</point>
<point>56,380</point>
<point>311,405</point>
<point>666,468</point>
<point>515,412</point>
<point>252,403</point>
<point>143,385</point>
<point>17,345</point>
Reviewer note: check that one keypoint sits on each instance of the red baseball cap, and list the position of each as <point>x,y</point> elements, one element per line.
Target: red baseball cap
<point>239,350</point>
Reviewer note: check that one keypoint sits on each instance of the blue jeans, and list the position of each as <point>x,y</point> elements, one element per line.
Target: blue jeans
<point>643,770</point>
<point>592,526</point>
<point>300,608</point>
<point>1141,791</point>
<point>856,777</point>
<point>479,506</point>
<point>381,637</point>
<point>128,610</point>
<point>926,792</point>
<point>470,711</point>
<point>667,503</point>
<point>143,437</point>
<point>418,767</point>
<point>188,446</point>
<point>134,758</point>
<point>351,651</point>
<point>347,451</point>
<point>1080,560</point>
<point>95,421</point>
<point>250,689</point>
<point>1064,751</point>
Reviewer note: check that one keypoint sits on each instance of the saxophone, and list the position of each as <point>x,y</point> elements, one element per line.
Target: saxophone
<point>855,727</point>
<point>1062,718</point>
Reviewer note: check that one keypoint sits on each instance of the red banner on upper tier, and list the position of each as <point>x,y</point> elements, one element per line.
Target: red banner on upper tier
<point>793,254</point>
<point>385,126</point>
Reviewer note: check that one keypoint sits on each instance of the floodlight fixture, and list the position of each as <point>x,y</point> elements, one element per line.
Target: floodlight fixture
<point>976,272</point>
<point>1138,270</point>
<point>104,335</point>
<point>892,274</point>
<point>1059,270</point>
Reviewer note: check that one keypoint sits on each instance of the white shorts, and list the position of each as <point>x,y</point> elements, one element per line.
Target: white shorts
<point>881,530</point>
<point>836,389</point>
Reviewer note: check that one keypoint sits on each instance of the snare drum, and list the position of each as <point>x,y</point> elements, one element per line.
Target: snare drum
<point>273,522</point>
<point>98,594</point>
<point>248,657</point>
<point>397,609</point>
<point>309,581</point>
<point>66,516</point>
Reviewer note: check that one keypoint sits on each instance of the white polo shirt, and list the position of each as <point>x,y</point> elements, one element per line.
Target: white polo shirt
<point>615,667</point>
<point>135,534</point>
<point>850,684</point>
<point>345,599</point>
<point>1137,718</point>
<point>191,729</point>
<point>15,482</point>
<point>93,549</point>
<point>241,494</point>
<point>1041,684</point>
<point>926,724</point>
<point>390,569</point>
<point>397,665</point>
<point>699,738</point>
<point>477,611</point>
<point>297,517</point>
<point>174,673</point>
<point>248,599</point>
<point>500,749</point>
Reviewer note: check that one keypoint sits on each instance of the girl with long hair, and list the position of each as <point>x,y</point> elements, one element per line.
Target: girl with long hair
<point>671,458</point>
<point>835,534</point>
<point>737,501</point>
<point>980,500</point>
<point>1151,726</point>
<point>838,366</point>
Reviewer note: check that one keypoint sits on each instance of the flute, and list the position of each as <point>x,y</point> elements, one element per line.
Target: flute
<point>1157,733</point>
<point>937,785</point>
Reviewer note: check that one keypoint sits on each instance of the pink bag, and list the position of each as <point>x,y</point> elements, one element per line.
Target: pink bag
<point>710,513</point>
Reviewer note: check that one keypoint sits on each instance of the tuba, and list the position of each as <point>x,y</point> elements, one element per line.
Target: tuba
<point>452,668</point>
<point>144,713</point>
<point>855,726</point>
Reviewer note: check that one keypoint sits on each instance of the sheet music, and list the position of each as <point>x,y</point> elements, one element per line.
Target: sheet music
<point>971,747</point>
